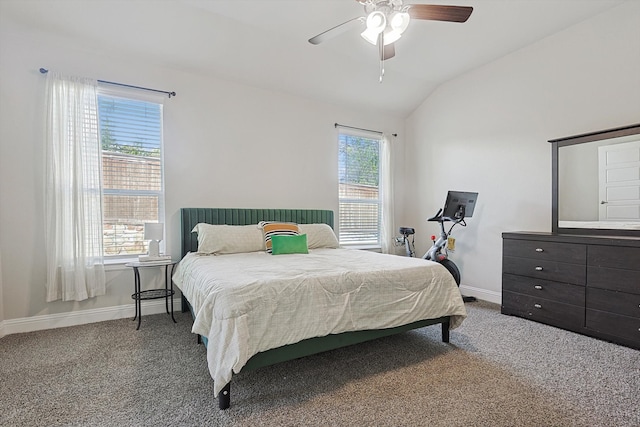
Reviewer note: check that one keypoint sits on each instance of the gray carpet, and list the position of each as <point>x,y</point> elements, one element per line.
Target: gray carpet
<point>497,371</point>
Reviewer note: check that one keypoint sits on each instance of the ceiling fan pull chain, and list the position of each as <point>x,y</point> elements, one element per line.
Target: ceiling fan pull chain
<point>381,54</point>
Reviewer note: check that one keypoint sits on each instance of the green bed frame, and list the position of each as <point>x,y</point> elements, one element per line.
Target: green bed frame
<point>192,216</point>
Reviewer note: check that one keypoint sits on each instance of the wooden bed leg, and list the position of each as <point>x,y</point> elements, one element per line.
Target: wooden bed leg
<point>224,397</point>
<point>445,329</point>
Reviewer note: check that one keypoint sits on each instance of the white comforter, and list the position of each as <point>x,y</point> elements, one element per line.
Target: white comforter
<point>252,302</point>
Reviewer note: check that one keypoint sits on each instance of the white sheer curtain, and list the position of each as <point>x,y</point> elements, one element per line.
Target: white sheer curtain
<point>73,199</point>
<point>387,233</point>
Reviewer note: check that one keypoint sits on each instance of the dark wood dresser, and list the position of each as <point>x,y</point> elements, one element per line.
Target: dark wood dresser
<point>585,284</point>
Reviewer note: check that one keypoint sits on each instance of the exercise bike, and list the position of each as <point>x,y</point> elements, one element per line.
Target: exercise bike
<point>457,206</point>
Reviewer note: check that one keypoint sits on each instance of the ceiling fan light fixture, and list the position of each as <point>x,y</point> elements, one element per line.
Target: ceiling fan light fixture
<point>370,36</point>
<point>391,36</point>
<point>399,21</point>
<point>376,23</point>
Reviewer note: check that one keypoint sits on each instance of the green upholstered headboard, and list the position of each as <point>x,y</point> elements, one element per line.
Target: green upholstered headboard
<point>190,217</point>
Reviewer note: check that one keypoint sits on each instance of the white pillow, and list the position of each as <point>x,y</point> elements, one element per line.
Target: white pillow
<point>228,239</point>
<point>319,236</point>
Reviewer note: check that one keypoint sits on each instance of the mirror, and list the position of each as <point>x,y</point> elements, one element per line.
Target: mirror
<point>596,183</point>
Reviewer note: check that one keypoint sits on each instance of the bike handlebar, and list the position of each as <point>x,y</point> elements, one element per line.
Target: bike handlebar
<point>437,216</point>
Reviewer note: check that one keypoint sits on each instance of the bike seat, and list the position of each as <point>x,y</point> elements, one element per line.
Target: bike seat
<point>406,231</point>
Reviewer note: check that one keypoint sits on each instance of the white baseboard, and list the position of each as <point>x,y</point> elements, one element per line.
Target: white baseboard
<point>483,294</point>
<point>61,320</point>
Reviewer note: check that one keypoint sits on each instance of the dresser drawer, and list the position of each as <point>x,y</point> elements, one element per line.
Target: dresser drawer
<point>614,324</point>
<point>547,289</point>
<point>615,279</point>
<point>563,252</point>
<point>545,269</point>
<point>614,302</point>
<point>546,311</point>
<point>614,257</point>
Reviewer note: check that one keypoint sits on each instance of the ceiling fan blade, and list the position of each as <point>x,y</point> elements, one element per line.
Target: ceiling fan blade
<point>338,29</point>
<point>388,52</point>
<point>434,12</point>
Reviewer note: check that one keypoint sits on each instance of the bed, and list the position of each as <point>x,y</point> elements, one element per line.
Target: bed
<point>240,299</point>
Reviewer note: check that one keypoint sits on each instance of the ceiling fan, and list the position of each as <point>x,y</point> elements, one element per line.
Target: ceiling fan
<point>387,20</point>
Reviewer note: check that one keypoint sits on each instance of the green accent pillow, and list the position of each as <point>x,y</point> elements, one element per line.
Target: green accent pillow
<point>282,244</point>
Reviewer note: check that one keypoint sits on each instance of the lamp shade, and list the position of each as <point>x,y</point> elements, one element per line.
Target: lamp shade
<point>399,21</point>
<point>376,23</point>
<point>153,231</point>
<point>391,36</point>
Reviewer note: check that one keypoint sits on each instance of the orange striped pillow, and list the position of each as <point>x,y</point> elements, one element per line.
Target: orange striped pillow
<point>277,228</point>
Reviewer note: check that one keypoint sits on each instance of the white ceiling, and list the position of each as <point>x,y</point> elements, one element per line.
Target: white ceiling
<point>264,42</point>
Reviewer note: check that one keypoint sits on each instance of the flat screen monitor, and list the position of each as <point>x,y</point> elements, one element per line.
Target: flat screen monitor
<point>459,205</point>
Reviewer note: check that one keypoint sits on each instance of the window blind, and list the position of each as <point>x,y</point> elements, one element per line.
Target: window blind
<point>133,190</point>
<point>359,193</point>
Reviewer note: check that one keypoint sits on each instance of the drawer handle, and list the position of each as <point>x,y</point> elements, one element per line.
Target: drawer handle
<point>538,287</point>
<point>537,305</point>
<point>539,250</point>
<point>538,268</point>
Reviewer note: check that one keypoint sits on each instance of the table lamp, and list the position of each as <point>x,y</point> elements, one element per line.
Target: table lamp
<point>154,232</point>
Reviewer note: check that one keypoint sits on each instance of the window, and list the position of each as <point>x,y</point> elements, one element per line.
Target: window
<point>132,171</point>
<point>360,204</point>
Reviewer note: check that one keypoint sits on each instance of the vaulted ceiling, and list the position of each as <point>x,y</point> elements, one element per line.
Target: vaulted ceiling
<point>264,43</point>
